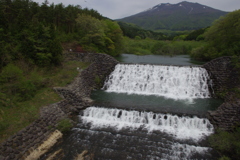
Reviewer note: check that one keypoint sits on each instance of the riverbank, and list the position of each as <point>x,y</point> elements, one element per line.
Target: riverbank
<point>27,141</point>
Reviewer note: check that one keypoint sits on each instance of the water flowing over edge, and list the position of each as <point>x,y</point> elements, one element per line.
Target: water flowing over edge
<point>164,150</point>
<point>168,81</point>
<point>180,127</point>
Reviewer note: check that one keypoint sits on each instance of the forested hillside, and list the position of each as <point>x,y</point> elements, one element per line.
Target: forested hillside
<point>31,55</point>
<point>133,31</point>
<point>33,31</point>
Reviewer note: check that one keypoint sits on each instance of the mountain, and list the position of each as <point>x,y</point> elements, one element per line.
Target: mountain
<point>181,16</point>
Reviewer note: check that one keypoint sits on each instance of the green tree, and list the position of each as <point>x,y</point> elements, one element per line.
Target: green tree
<point>114,38</point>
<point>222,37</point>
<point>91,32</point>
<point>227,143</point>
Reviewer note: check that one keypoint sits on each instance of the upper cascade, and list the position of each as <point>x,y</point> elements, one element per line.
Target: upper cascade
<point>168,81</point>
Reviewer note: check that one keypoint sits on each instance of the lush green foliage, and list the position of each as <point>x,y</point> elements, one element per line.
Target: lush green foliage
<point>99,35</point>
<point>27,32</point>
<point>138,46</point>
<point>227,143</point>
<point>133,31</point>
<point>149,46</point>
<point>34,32</point>
<point>196,35</point>
<point>175,47</point>
<point>222,37</point>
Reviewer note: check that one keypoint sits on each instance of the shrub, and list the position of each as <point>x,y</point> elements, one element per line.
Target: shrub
<point>25,90</point>
<point>11,73</point>
<point>227,143</point>
<point>5,101</point>
<point>64,125</point>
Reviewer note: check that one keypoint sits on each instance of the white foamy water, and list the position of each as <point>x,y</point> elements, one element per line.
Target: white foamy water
<point>168,81</point>
<point>180,127</point>
<point>161,149</point>
<point>185,151</point>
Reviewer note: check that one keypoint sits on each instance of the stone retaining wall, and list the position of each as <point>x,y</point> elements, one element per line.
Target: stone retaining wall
<point>21,144</point>
<point>227,116</point>
<point>30,141</point>
<point>91,78</point>
<point>225,82</point>
<point>223,75</point>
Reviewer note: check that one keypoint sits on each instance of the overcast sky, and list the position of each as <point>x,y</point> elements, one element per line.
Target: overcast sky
<point>115,9</point>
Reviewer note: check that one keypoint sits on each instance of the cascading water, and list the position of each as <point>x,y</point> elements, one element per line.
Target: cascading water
<point>180,127</point>
<point>122,134</point>
<point>168,81</point>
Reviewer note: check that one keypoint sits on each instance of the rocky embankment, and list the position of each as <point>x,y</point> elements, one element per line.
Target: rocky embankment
<point>226,85</point>
<point>40,136</point>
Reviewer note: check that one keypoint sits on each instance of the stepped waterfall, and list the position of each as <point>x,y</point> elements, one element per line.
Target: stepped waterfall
<point>168,81</point>
<point>113,133</point>
<point>181,127</point>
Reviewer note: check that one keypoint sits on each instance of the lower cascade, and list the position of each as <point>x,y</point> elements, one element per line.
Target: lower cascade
<point>168,81</point>
<point>180,127</point>
<point>118,134</point>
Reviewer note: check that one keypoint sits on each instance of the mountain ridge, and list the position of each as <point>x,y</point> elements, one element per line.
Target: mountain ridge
<point>181,16</point>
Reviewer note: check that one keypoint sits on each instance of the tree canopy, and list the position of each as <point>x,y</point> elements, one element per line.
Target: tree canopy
<point>104,36</point>
<point>33,32</point>
<point>223,38</point>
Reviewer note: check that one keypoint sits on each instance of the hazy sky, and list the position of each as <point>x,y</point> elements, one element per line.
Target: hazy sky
<point>115,9</point>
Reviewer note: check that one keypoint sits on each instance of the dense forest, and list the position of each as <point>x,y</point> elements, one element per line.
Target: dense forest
<point>33,32</point>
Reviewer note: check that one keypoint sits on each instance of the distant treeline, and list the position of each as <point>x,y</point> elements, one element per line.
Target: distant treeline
<point>133,31</point>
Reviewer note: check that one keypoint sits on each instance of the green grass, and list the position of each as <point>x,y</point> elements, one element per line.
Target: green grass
<point>21,113</point>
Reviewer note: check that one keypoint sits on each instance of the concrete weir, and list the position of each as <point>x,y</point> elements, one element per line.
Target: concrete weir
<point>37,138</point>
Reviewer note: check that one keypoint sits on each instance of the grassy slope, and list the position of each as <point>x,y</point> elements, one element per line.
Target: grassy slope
<point>13,119</point>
